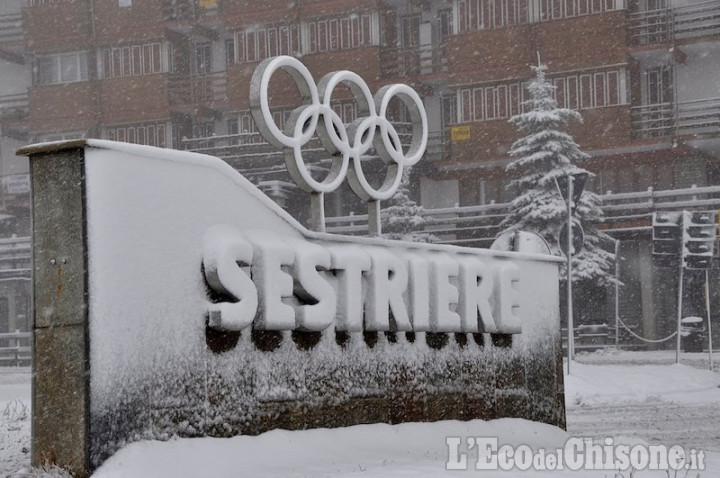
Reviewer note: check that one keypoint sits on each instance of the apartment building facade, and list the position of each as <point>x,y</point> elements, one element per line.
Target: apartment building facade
<point>175,73</point>
<point>15,79</point>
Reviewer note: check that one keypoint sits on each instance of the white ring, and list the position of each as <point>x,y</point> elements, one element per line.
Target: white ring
<point>343,143</point>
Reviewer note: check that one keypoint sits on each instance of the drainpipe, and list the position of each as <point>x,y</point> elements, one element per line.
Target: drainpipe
<point>94,70</point>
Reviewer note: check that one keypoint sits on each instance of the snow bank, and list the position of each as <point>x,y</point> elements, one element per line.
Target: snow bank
<point>616,384</point>
<point>418,449</point>
<point>410,449</point>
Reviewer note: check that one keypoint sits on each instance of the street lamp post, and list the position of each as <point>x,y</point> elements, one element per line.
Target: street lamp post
<point>570,188</point>
<point>570,321</point>
<point>617,293</point>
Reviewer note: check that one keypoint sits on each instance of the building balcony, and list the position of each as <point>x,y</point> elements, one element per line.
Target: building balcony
<point>13,107</point>
<point>11,29</point>
<point>411,62</point>
<point>669,24</point>
<point>197,91</point>
<point>626,215</point>
<point>255,158</point>
<point>697,117</point>
<point>189,9</point>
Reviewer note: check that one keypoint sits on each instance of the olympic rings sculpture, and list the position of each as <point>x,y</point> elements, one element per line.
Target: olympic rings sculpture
<point>345,144</point>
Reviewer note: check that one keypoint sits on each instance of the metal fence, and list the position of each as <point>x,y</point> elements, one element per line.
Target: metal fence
<point>15,349</point>
<point>478,225</point>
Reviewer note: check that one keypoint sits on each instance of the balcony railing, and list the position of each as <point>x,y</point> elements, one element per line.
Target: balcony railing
<point>252,145</point>
<point>699,19</point>
<point>230,147</point>
<point>655,120</point>
<point>14,106</point>
<point>688,117</point>
<point>407,62</point>
<point>11,28</point>
<point>478,225</point>
<point>664,25</point>
<point>206,90</point>
<point>699,116</point>
<point>437,146</point>
<point>652,26</point>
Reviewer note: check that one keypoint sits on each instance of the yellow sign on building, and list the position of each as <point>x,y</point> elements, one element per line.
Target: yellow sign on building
<point>460,133</point>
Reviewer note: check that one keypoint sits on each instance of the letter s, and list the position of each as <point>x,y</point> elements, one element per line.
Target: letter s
<point>224,249</point>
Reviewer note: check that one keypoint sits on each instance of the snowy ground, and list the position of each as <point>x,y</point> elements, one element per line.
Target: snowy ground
<point>631,396</point>
<point>14,419</point>
<point>646,395</point>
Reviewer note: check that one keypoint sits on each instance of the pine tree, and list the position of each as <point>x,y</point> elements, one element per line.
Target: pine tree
<point>403,219</point>
<point>542,154</point>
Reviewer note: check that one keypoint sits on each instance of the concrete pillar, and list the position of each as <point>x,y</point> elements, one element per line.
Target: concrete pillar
<point>60,388</point>
<point>647,289</point>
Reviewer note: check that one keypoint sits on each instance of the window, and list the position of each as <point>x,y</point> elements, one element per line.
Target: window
<point>150,134</point>
<point>572,93</point>
<point>588,90</point>
<point>514,101</point>
<point>600,93</point>
<point>260,43</point>
<point>560,91</point>
<point>4,316</point>
<point>502,101</point>
<point>62,68</point>
<point>473,15</point>
<point>603,88</point>
<point>229,52</point>
<point>466,102</point>
<point>132,60</point>
<point>340,33</point>
<point>479,103</point>
<point>203,58</point>
<point>445,27</point>
<point>490,111</point>
<point>657,85</point>
<point>449,111</point>
<point>233,128</point>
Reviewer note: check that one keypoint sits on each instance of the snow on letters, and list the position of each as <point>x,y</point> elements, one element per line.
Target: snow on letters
<point>297,284</point>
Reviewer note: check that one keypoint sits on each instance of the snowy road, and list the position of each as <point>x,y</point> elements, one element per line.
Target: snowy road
<point>645,395</point>
<point>696,426</point>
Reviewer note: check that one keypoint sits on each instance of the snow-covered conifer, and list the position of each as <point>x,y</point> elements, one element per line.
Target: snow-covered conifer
<point>403,219</point>
<point>543,153</point>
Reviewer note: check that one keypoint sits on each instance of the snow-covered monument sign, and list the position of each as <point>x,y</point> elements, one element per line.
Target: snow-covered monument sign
<point>173,298</point>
